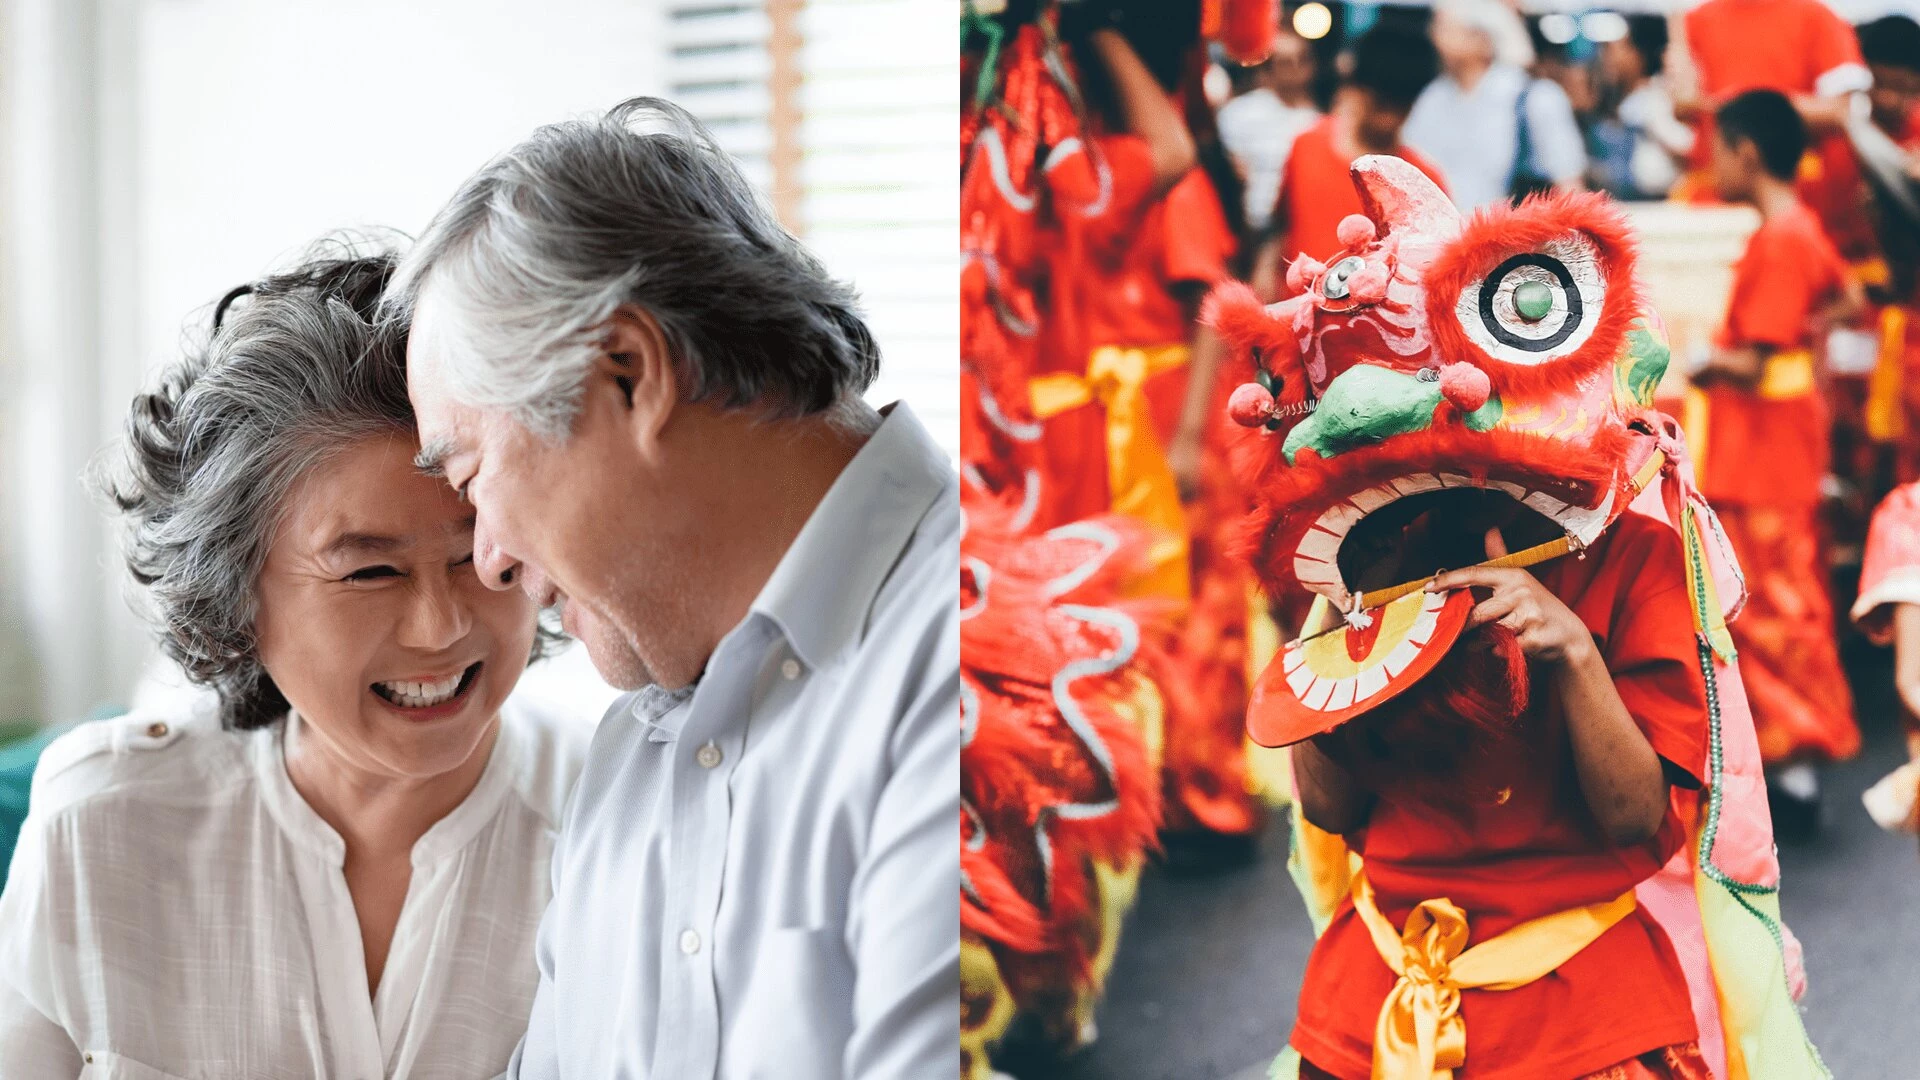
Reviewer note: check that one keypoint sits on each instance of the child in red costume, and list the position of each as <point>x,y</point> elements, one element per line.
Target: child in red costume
<point>1569,800</point>
<point>1517,782</point>
<point>1764,434</point>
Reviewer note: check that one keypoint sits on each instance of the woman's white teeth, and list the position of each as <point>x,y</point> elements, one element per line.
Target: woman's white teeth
<point>419,695</point>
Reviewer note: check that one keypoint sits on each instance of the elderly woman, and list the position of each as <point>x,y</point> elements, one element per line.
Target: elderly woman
<point>335,868</point>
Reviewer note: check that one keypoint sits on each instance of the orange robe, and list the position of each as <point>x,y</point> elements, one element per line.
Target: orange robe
<point>1765,455</point>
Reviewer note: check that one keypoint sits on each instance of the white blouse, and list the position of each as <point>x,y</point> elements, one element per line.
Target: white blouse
<point>176,910</point>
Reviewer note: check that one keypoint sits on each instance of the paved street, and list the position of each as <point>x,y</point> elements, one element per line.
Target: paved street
<point>1206,982</point>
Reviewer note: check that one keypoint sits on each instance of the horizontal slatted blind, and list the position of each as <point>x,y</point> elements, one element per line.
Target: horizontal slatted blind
<point>873,188</point>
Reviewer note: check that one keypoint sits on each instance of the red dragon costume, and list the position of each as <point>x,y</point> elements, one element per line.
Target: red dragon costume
<point>1434,366</point>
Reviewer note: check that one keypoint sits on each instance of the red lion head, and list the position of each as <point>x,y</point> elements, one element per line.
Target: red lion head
<point>1507,355</point>
<point>1433,372</point>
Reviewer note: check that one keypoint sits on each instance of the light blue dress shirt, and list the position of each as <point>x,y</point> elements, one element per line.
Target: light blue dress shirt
<point>760,877</point>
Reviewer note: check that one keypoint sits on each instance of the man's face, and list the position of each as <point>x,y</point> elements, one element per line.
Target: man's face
<point>561,522</point>
<point>1895,94</point>
<point>1292,64</point>
<point>1460,44</point>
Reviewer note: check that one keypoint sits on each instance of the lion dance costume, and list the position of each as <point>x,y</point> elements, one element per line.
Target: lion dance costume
<point>1478,923</point>
<point>1059,746</point>
<point>1076,581</point>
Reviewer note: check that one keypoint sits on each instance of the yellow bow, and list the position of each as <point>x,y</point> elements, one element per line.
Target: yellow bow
<point>1420,1034</point>
<point>1141,482</point>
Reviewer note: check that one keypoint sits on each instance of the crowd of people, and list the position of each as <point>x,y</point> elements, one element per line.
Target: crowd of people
<point>1166,206</point>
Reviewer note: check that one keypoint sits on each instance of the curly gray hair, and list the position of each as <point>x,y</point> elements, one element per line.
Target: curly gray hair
<point>293,369</point>
<point>639,206</point>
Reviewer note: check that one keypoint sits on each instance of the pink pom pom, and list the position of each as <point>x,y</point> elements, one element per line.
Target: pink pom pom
<point>1355,231</point>
<point>1369,286</point>
<point>1302,273</point>
<point>1250,405</point>
<point>1464,386</point>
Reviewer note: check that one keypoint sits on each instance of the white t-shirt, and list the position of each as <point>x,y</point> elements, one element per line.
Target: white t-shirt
<point>1258,130</point>
<point>1473,135</point>
<point>176,909</point>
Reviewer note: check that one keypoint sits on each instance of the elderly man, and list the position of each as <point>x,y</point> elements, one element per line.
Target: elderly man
<point>651,394</point>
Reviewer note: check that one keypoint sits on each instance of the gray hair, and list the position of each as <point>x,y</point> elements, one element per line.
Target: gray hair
<point>287,377</point>
<point>539,249</point>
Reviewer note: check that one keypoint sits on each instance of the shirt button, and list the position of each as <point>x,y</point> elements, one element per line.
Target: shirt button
<point>790,668</point>
<point>708,756</point>
<point>689,942</point>
<point>156,729</point>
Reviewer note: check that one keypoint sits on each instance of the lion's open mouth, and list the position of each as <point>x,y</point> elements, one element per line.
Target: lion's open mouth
<point>1410,527</point>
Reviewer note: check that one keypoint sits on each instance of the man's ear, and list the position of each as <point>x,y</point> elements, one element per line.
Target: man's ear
<point>636,364</point>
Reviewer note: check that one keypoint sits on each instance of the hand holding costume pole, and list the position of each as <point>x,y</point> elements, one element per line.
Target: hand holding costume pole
<point>1620,775</point>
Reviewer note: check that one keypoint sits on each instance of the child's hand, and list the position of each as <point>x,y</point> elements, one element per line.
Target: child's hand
<point>1738,368</point>
<point>1546,628</point>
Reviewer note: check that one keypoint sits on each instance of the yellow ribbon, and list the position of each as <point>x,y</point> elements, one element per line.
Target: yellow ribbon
<point>1420,1034</point>
<point>1141,483</point>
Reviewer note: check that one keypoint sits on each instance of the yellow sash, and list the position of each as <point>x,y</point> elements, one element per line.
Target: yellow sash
<point>1788,374</point>
<point>1886,415</point>
<point>1420,1034</point>
<point>1138,476</point>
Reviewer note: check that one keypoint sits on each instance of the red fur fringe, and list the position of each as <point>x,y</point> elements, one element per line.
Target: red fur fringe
<point>1495,232</point>
<point>1289,498</point>
<point>1023,759</point>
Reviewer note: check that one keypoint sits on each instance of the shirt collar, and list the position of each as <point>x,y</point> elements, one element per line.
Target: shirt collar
<point>821,592</point>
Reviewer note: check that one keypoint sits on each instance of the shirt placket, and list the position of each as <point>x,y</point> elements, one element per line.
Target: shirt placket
<point>704,756</point>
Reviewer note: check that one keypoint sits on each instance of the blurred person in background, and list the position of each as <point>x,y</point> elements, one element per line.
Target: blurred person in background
<point>1259,126</point>
<point>1382,76</point>
<point>1799,48</point>
<point>1761,423</point>
<point>1891,48</point>
<point>1642,143</point>
<point>333,865</point>
<point>1494,129</point>
<point>651,395</point>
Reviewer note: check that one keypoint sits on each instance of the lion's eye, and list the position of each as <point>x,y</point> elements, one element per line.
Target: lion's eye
<point>1538,305</point>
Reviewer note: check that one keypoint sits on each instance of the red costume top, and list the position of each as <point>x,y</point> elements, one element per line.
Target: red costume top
<point>1124,288</point>
<point>1793,46</point>
<point>1762,448</point>
<point>1316,192</point>
<point>1533,849</point>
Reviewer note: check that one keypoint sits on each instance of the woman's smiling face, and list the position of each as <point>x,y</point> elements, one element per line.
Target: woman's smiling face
<point>372,622</point>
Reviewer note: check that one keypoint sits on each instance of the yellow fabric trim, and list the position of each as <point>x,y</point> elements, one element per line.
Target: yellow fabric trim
<point>1139,479</point>
<point>1420,1034</point>
<point>1695,415</point>
<point>1787,374</point>
<point>1886,420</point>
